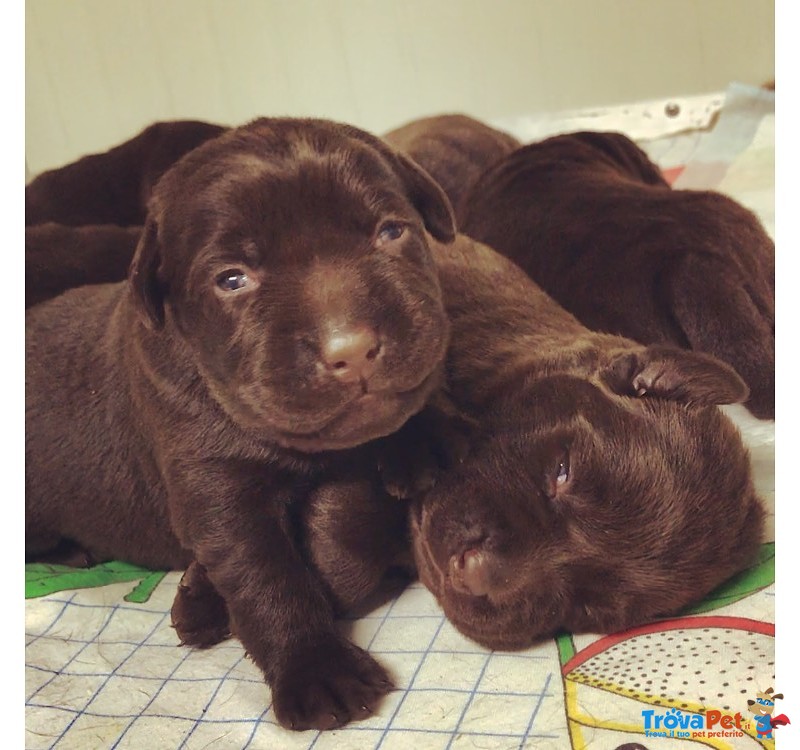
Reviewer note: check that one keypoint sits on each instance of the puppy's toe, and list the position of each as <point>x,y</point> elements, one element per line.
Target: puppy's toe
<point>404,484</point>
<point>199,614</point>
<point>328,684</point>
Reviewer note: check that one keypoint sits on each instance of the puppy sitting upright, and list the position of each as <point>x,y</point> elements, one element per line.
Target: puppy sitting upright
<point>282,306</point>
<point>591,220</point>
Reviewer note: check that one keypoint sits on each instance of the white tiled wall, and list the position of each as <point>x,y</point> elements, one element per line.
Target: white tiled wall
<point>97,71</point>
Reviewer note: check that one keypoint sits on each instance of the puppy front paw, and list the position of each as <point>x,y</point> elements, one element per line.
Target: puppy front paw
<point>410,472</point>
<point>199,614</point>
<point>326,684</point>
<point>412,459</point>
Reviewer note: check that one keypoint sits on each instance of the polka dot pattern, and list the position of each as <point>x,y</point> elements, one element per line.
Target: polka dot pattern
<point>694,668</point>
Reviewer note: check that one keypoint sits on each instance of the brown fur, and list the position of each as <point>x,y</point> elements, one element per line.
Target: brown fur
<point>590,219</point>
<point>172,417</point>
<point>112,188</point>
<point>655,472</point>
<point>655,504</point>
<point>59,257</point>
<point>454,149</point>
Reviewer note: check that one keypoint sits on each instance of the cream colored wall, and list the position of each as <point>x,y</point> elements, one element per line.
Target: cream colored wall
<point>97,71</point>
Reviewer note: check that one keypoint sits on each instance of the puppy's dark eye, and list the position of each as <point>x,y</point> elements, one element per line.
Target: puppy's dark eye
<point>232,280</point>
<point>389,232</point>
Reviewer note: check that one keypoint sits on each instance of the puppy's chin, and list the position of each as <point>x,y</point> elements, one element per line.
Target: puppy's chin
<point>369,417</point>
<point>490,631</point>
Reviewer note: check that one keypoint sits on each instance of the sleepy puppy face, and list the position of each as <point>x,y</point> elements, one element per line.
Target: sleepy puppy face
<point>588,508</point>
<point>292,257</point>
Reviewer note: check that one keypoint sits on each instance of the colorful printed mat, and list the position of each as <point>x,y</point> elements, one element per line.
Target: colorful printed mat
<point>104,669</point>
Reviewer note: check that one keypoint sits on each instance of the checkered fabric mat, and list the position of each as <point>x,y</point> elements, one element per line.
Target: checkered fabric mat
<point>116,678</point>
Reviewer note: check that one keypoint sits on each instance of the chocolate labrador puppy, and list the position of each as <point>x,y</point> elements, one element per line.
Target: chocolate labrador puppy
<point>604,488</point>
<point>282,309</point>
<point>591,220</point>
<point>538,445</point>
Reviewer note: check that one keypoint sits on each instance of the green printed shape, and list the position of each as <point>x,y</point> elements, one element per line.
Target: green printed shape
<point>42,579</point>
<point>760,575</point>
<point>146,586</point>
<point>566,647</point>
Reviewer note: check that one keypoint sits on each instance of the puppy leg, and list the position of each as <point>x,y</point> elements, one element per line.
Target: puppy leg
<point>199,614</point>
<point>411,460</point>
<point>356,536</point>
<point>236,520</point>
<point>357,539</point>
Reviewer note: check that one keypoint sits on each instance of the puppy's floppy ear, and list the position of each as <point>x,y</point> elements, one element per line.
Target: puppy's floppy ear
<point>428,198</point>
<point>143,276</point>
<point>675,374</point>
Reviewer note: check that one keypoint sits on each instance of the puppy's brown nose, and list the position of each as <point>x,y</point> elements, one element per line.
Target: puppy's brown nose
<point>469,572</point>
<point>351,354</point>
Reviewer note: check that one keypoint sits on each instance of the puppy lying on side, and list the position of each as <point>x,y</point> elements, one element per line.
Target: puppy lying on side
<point>283,308</point>
<point>454,149</point>
<point>604,488</point>
<point>592,221</point>
<point>607,489</point>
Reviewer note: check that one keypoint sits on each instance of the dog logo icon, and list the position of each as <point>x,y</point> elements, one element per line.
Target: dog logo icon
<point>762,708</point>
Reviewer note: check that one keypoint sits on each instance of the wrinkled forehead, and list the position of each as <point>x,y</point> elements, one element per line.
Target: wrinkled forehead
<point>620,432</point>
<point>561,400</point>
<point>270,184</point>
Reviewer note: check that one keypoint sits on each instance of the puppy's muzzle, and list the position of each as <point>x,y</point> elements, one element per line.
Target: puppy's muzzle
<point>478,571</point>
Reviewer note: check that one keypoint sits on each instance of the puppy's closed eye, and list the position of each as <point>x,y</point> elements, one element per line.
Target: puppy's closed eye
<point>557,472</point>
